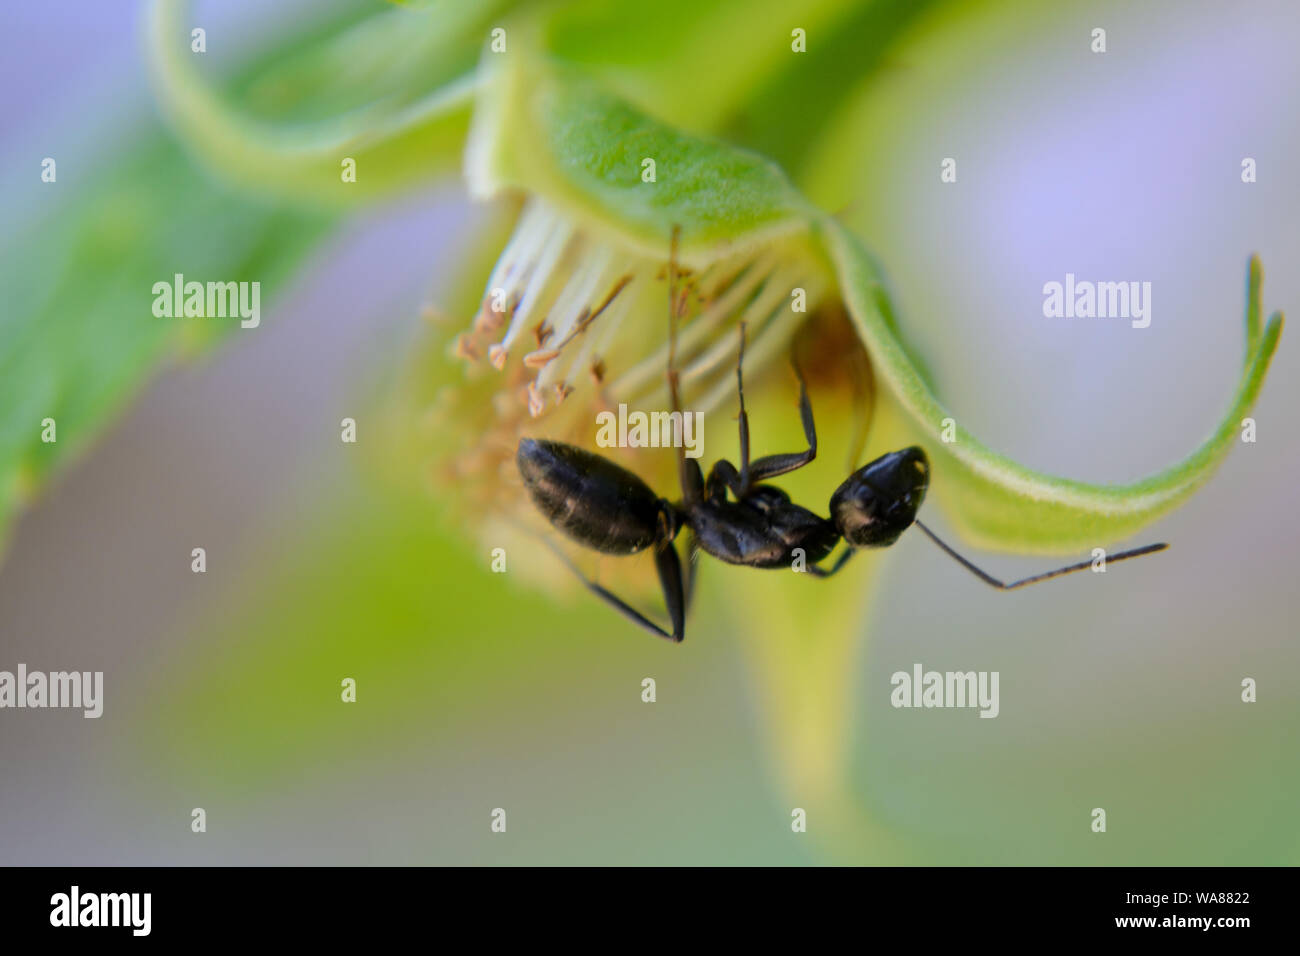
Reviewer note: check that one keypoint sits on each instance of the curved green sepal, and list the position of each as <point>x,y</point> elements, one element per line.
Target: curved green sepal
<point>547,129</point>
<point>994,501</point>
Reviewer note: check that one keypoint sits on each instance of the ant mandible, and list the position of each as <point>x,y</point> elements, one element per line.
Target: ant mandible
<point>607,508</point>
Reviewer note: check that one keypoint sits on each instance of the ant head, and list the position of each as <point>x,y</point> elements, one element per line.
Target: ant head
<point>879,501</point>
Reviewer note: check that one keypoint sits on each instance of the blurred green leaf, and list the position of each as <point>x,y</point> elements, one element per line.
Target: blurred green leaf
<point>79,337</point>
<point>694,63</point>
<point>391,92</point>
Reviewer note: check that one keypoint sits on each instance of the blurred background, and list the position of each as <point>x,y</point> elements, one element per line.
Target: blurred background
<point>222,688</point>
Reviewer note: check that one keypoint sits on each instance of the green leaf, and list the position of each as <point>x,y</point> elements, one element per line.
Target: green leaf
<point>998,503</point>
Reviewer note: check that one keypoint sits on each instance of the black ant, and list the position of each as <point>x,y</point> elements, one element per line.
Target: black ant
<point>607,508</point>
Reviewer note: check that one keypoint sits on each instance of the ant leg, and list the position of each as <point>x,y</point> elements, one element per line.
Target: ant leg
<point>770,466</point>
<point>842,560</point>
<point>675,596</point>
<point>618,604</point>
<point>723,475</point>
<point>1035,579</point>
<point>739,484</point>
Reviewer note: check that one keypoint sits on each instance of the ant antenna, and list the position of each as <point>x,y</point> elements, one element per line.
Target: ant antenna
<point>690,482</point>
<point>1046,575</point>
<point>672,304</point>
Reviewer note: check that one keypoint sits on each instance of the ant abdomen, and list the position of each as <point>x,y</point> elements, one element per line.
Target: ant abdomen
<point>595,502</point>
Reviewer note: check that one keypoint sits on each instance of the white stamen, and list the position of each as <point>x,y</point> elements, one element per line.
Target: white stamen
<point>556,241</point>
<point>590,296</point>
<point>524,245</point>
<point>578,293</point>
